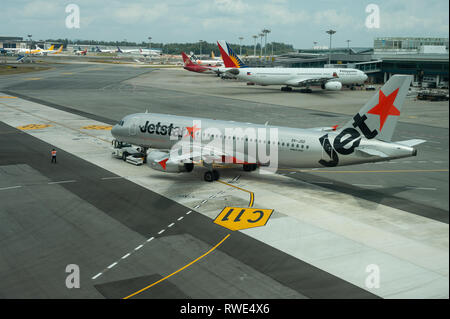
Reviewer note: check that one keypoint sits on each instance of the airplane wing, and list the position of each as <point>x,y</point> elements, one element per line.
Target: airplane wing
<point>306,82</point>
<point>208,154</point>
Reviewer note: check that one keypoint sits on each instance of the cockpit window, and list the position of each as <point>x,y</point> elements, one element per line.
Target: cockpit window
<point>121,122</point>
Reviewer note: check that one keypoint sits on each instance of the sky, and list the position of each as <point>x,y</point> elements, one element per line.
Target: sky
<point>300,23</point>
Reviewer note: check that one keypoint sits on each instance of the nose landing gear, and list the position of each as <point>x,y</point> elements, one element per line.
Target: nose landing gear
<point>211,176</point>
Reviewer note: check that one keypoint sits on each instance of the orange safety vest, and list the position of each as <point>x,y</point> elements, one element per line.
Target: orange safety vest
<point>53,153</point>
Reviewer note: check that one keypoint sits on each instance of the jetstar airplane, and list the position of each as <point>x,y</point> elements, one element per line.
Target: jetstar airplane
<point>328,78</point>
<point>193,67</point>
<point>366,138</point>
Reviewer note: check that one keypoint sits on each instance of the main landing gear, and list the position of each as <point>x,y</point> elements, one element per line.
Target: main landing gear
<point>286,89</point>
<point>211,176</point>
<point>307,90</point>
<point>250,167</point>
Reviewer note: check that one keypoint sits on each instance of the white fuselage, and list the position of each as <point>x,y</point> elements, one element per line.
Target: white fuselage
<point>295,148</point>
<point>295,76</point>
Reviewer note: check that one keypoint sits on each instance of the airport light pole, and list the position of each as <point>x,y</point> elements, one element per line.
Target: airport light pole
<point>29,39</point>
<point>240,45</point>
<point>315,44</point>
<point>348,45</point>
<point>330,32</point>
<point>261,35</point>
<point>265,32</point>
<point>254,49</point>
<point>149,43</point>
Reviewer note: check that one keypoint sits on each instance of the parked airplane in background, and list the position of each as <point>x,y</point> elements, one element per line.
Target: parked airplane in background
<point>365,138</point>
<point>97,49</point>
<point>213,63</point>
<point>50,50</point>
<point>80,52</point>
<point>193,67</point>
<point>328,78</point>
<point>144,52</point>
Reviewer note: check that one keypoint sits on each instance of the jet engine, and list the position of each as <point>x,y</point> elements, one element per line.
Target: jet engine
<point>161,161</point>
<point>332,86</point>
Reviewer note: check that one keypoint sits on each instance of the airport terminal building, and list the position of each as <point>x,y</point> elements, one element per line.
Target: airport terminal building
<point>424,58</point>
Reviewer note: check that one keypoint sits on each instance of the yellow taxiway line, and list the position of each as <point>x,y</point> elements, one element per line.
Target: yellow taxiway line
<point>182,268</point>
<point>252,195</point>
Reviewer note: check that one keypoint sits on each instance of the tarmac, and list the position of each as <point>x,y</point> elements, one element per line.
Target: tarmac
<point>129,227</point>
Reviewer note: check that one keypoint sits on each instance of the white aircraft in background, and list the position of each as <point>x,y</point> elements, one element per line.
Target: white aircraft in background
<point>144,52</point>
<point>366,138</point>
<point>213,63</point>
<point>97,49</point>
<point>49,50</point>
<point>328,78</point>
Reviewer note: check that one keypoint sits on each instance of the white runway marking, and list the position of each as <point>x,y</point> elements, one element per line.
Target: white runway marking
<point>180,218</point>
<point>125,256</point>
<point>62,182</point>
<point>12,187</point>
<point>171,225</point>
<point>138,247</point>
<point>112,265</point>
<point>97,275</point>
<point>161,231</point>
<point>150,239</point>
<point>113,177</point>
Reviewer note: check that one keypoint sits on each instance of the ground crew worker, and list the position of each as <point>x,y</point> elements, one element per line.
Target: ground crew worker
<point>53,156</point>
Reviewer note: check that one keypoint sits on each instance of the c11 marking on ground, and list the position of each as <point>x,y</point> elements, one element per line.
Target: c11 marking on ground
<point>237,218</point>
<point>33,126</point>
<point>97,127</point>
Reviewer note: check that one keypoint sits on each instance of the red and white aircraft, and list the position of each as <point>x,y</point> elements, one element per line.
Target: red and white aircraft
<point>193,67</point>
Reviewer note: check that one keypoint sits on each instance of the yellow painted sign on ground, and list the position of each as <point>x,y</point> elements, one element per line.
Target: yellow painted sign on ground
<point>237,218</point>
<point>33,126</point>
<point>97,127</point>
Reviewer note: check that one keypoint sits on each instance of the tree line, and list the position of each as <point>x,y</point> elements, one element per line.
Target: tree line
<point>205,48</point>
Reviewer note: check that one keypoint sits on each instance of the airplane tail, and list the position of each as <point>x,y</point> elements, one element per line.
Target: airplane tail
<point>213,56</point>
<point>60,49</point>
<point>193,57</point>
<point>52,47</point>
<point>119,50</point>
<point>379,117</point>
<point>230,59</point>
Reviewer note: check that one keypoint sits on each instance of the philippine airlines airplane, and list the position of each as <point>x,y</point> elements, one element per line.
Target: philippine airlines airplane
<point>365,138</point>
<point>192,66</point>
<point>327,78</point>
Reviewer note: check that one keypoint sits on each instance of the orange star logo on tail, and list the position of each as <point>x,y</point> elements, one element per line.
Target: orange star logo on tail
<point>385,107</point>
<point>191,130</point>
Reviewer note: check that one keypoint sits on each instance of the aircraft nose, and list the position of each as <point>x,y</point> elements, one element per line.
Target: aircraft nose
<point>365,77</point>
<point>115,130</point>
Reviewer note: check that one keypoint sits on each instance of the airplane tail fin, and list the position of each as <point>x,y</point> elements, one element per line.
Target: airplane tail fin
<point>213,55</point>
<point>60,48</point>
<point>378,118</point>
<point>52,47</point>
<point>230,59</point>
<point>119,50</point>
<point>193,57</point>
